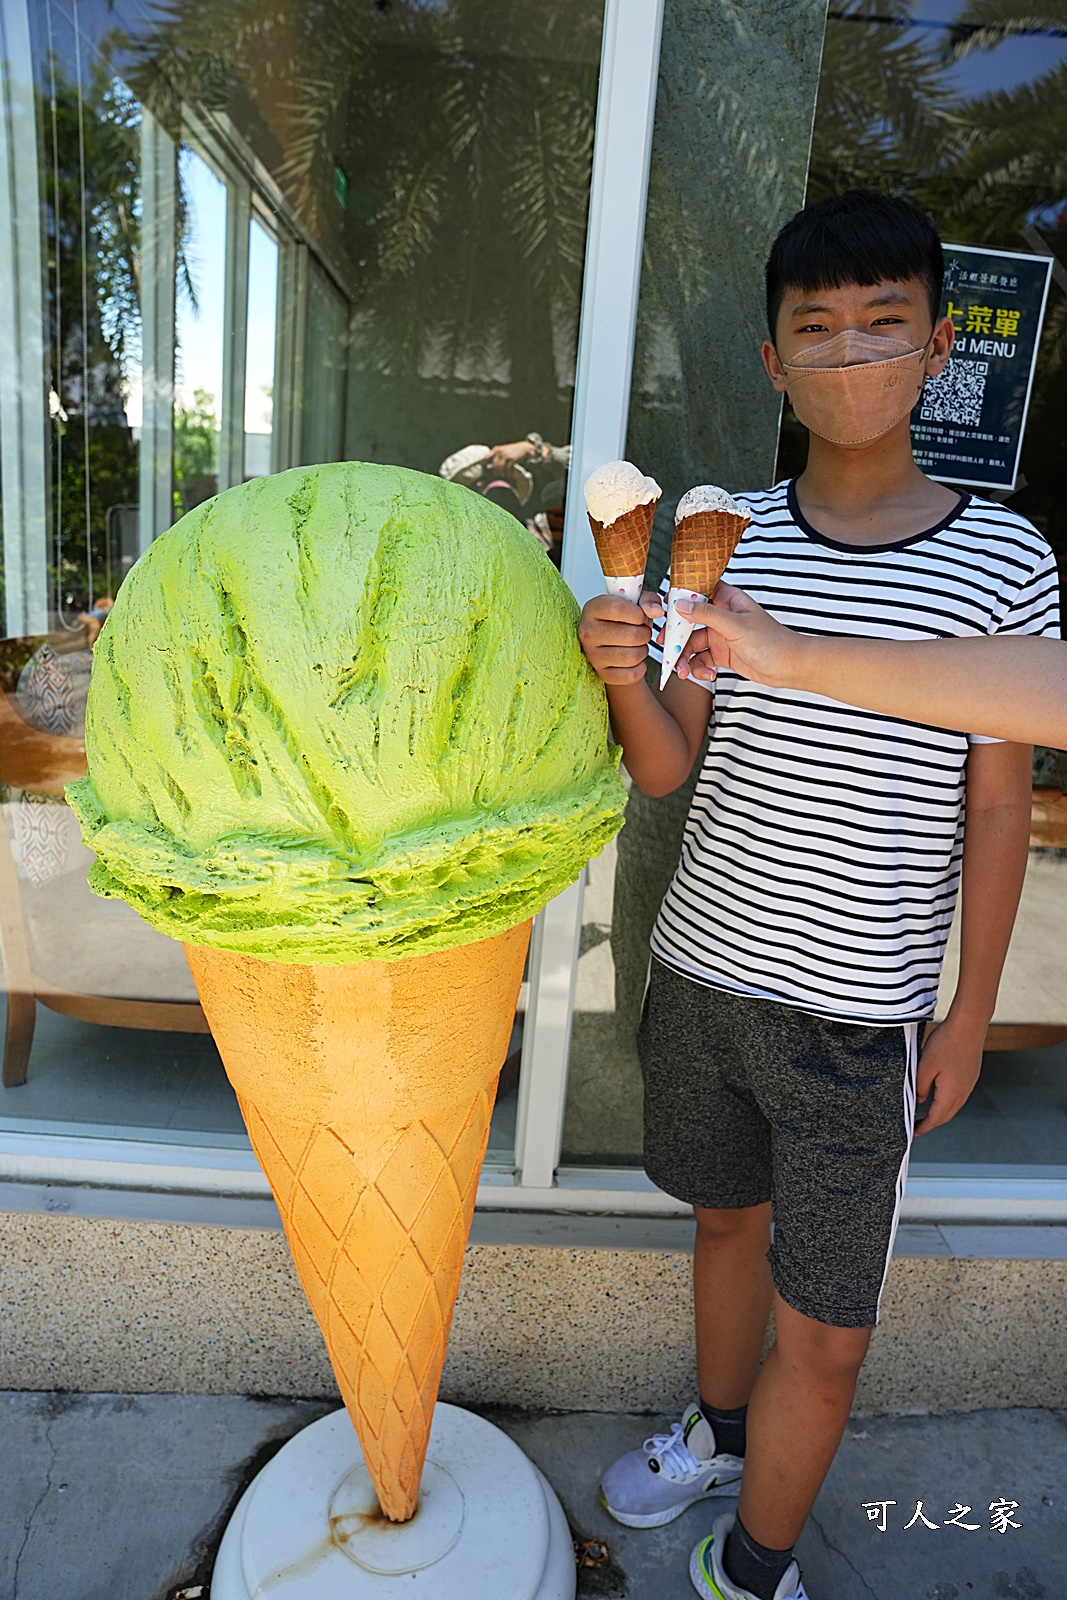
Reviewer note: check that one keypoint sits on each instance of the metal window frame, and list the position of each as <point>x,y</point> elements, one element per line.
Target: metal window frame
<point>252,193</point>
<point>51,1167</point>
<point>216,149</point>
<point>290,354</point>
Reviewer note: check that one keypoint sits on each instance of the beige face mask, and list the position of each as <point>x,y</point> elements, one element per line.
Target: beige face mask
<point>854,387</point>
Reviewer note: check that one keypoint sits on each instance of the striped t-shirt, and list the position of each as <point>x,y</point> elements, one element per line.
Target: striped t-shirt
<point>821,858</point>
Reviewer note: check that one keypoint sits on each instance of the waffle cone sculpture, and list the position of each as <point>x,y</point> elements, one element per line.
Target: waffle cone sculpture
<point>367,1092</point>
<point>708,527</point>
<point>621,503</point>
<point>342,743</point>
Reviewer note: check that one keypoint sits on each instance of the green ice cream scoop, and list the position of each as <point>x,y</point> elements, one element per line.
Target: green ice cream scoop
<point>341,714</point>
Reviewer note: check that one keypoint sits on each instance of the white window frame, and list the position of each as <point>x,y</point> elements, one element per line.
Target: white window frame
<point>214,144</point>
<point>251,192</point>
<point>626,106</point>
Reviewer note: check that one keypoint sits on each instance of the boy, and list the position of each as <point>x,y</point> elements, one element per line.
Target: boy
<point>798,948</point>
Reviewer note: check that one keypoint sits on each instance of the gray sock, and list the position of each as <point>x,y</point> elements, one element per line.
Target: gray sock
<point>752,1565</point>
<point>727,1426</point>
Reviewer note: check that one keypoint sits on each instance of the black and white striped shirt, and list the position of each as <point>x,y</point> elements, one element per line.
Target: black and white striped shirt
<point>821,858</point>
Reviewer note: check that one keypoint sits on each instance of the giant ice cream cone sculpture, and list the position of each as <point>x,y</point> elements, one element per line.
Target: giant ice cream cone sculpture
<point>708,525</point>
<point>621,503</point>
<point>342,742</point>
<point>367,1091</point>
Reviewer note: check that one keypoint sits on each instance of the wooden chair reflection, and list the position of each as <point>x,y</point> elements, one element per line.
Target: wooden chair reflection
<point>42,763</point>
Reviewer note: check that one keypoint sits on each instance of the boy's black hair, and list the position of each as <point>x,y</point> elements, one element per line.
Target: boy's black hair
<point>859,237</point>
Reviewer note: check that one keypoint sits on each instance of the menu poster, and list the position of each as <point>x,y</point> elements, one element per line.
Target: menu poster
<point>968,425</point>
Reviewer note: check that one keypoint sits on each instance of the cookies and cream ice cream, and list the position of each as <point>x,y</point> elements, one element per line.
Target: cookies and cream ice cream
<point>708,524</point>
<point>708,497</point>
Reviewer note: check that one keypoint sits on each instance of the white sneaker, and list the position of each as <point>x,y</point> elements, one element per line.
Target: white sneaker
<point>709,1580</point>
<point>672,1471</point>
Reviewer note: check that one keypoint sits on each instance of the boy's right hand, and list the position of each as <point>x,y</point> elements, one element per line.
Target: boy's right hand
<point>614,634</point>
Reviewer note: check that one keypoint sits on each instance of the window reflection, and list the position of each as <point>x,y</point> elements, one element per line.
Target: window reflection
<point>70,959</point>
<point>272,235</point>
<point>960,107</point>
<point>259,359</point>
<point>324,407</point>
<point>90,188</point>
<point>198,327</point>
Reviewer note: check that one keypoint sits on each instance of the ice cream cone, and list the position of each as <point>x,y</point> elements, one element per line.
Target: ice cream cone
<point>322,753</point>
<point>702,546</point>
<point>622,547</point>
<point>704,540</point>
<point>621,503</point>
<point>367,1090</point>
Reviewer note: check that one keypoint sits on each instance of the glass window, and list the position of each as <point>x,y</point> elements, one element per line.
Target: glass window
<point>728,166</point>
<point>89,126</point>
<point>959,107</point>
<point>102,1021</point>
<point>416,179</point>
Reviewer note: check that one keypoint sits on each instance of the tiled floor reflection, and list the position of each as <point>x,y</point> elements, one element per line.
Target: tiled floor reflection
<point>1017,1115</point>
<point>172,1085</point>
<point>164,1085</point>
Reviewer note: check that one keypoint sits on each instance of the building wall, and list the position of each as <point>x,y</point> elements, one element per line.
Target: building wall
<point>138,1307</point>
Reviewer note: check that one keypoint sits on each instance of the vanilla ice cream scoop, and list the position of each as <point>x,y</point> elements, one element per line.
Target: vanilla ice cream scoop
<point>618,487</point>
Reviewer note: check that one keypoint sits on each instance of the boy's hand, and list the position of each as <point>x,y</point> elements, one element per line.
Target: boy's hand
<point>614,634</point>
<point>948,1069</point>
<point>733,631</point>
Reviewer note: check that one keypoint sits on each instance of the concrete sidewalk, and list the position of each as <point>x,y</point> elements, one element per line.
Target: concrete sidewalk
<point>123,1497</point>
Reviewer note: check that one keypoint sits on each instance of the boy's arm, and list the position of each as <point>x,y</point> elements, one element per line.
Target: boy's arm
<point>995,843</point>
<point>660,734</point>
<point>1012,686</point>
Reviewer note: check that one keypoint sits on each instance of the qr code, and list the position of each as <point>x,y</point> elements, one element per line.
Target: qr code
<point>956,394</point>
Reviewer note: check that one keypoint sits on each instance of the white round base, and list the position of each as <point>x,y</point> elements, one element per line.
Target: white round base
<point>488,1527</point>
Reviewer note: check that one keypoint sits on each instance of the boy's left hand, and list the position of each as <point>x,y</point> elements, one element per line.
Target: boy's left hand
<point>733,631</point>
<point>949,1066</point>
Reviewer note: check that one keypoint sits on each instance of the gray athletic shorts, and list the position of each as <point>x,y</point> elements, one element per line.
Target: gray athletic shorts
<point>748,1100</point>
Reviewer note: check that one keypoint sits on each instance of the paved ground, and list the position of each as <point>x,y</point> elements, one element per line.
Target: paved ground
<point>119,1497</point>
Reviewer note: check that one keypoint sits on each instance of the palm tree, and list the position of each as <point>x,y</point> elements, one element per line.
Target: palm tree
<point>884,116</point>
<point>1009,188</point>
